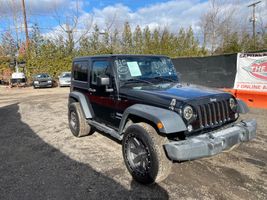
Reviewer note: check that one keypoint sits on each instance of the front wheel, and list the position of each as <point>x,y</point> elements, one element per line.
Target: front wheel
<point>144,155</point>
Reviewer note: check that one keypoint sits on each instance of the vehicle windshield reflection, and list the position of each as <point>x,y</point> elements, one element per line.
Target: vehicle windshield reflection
<point>156,69</point>
<point>42,76</point>
<point>67,75</point>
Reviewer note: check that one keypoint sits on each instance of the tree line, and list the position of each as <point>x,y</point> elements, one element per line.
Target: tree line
<point>221,31</point>
<point>55,55</point>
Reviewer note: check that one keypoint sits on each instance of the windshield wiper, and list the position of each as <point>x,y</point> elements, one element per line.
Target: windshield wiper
<point>136,80</point>
<point>164,78</point>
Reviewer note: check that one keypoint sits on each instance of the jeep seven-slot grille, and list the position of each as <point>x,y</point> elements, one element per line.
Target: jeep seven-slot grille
<point>213,114</point>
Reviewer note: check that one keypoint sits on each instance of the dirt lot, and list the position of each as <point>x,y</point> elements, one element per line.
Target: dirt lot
<point>40,159</point>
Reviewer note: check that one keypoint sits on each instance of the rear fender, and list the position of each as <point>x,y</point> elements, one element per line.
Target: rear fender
<point>84,102</point>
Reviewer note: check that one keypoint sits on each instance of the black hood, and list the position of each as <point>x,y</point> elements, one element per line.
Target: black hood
<point>164,93</point>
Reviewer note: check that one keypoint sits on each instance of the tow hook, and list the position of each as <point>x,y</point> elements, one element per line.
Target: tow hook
<point>243,123</point>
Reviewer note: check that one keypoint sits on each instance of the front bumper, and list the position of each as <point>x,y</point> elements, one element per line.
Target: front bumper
<point>64,83</point>
<point>211,143</point>
<point>45,84</point>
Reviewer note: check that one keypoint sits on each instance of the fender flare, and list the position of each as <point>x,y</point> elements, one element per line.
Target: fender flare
<point>84,102</point>
<point>242,107</point>
<point>172,122</point>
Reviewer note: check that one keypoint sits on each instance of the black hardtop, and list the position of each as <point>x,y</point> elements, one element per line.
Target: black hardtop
<point>116,55</point>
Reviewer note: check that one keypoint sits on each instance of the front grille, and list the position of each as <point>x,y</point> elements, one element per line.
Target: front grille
<point>213,114</point>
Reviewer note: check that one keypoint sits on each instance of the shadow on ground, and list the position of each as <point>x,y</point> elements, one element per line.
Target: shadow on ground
<point>33,169</point>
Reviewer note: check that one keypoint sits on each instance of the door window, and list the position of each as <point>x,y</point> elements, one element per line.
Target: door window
<point>99,68</point>
<point>80,71</point>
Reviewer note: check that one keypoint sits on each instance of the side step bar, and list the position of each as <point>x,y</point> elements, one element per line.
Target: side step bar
<point>105,129</point>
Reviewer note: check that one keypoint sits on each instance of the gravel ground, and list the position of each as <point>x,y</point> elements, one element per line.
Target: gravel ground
<point>40,159</point>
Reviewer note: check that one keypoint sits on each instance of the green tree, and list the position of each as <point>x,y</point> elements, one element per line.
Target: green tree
<point>115,42</point>
<point>138,40</point>
<point>147,40</point>
<point>95,41</point>
<point>180,42</point>
<point>231,44</point>
<point>106,43</point>
<point>155,43</point>
<point>36,39</point>
<point>264,41</point>
<point>127,38</point>
<point>84,46</point>
<point>165,42</point>
<point>191,44</point>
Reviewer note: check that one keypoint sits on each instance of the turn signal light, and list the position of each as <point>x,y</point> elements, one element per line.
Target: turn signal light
<point>160,125</point>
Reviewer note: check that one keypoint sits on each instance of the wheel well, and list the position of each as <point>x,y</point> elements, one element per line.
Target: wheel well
<point>72,99</point>
<point>137,119</point>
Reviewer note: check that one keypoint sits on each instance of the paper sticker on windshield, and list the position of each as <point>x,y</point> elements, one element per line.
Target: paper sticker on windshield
<point>134,68</point>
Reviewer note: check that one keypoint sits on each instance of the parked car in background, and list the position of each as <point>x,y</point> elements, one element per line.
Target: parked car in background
<point>18,79</point>
<point>42,80</point>
<point>64,79</point>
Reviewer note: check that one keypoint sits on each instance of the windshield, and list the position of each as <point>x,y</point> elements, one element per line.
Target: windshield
<point>145,67</point>
<point>66,75</point>
<point>42,76</point>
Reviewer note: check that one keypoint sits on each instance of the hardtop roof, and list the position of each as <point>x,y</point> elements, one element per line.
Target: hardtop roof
<point>116,55</point>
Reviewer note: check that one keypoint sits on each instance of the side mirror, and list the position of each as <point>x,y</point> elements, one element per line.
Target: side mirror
<point>103,80</point>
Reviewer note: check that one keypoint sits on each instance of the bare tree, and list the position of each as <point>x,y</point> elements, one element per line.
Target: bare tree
<point>13,13</point>
<point>73,25</point>
<point>109,37</point>
<point>217,24</point>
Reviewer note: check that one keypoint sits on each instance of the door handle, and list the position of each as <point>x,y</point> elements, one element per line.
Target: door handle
<point>91,90</point>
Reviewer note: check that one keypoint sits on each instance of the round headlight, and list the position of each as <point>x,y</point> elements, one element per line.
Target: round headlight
<point>232,103</point>
<point>188,112</point>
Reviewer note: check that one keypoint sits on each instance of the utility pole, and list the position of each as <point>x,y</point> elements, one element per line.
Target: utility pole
<point>254,22</point>
<point>25,23</point>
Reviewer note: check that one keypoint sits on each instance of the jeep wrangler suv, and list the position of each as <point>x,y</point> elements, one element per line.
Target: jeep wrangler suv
<point>138,100</point>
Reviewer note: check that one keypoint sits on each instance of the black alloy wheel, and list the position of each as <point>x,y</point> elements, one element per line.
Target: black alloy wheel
<point>144,154</point>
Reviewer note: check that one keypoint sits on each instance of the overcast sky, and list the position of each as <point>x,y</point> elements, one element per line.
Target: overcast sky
<point>153,13</point>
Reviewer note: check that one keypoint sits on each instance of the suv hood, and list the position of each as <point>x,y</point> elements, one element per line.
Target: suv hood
<point>164,95</point>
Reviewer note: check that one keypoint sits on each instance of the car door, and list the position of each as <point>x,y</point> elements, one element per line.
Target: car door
<point>103,98</point>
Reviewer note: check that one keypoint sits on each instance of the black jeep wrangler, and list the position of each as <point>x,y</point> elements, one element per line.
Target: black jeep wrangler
<point>138,100</point>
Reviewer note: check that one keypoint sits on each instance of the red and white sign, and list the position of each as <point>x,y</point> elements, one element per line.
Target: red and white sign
<point>251,71</point>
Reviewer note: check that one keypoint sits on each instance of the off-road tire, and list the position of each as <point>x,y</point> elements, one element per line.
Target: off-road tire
<point>159,166</point>
<point>81,127</point>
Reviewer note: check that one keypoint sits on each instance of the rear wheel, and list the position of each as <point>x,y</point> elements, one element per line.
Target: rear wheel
<point>77,123</point>
<point>144,155</point>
